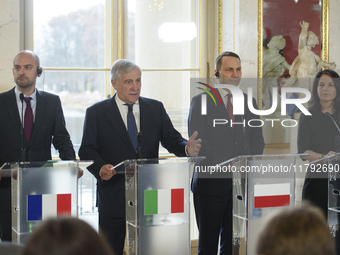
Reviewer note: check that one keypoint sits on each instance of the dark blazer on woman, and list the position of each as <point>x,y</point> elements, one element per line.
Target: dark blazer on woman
<point>317,133</point>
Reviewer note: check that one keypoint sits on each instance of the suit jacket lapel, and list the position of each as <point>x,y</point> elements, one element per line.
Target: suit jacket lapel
<point>145,117</point>
<point>115,119</point>
<point>13,112</point>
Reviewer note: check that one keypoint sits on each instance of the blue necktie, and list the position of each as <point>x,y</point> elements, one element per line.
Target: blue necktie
<point>132,127</point>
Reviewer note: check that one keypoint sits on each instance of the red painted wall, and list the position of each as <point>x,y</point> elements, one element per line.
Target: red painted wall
<point>283,17</point>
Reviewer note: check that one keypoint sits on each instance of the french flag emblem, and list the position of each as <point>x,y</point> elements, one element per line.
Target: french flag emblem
<point>42,207</point>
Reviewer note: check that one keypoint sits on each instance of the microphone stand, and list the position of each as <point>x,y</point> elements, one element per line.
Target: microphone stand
<point>138,134</point>
<point>139,151</point>
<point>246,143</point>
<point>328,114</point>
<point>23,150</point>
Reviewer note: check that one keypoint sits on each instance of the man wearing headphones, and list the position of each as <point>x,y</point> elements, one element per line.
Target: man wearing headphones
<point>213,193</point>
<point>30,121</point>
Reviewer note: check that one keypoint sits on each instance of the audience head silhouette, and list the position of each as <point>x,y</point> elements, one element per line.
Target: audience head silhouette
<point>66,236</point>
<point>297,231</point>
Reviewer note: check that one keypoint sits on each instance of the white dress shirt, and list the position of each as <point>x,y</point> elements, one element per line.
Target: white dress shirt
<point>22,105</point>
<point>224,96</point>
<point>123,109</point>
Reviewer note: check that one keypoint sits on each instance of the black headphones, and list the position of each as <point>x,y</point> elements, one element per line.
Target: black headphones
<point>39,71</point>
<point>217,74</point>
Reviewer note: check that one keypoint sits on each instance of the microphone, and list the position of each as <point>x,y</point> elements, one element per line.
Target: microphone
<point>246,144</point>
<point>327,113</point>
<point>138,135</point>
<point>139,151</point>
<point>23,150</point>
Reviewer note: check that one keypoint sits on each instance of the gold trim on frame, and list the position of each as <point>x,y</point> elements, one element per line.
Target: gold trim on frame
<point>171,69</point>
<point>234,26</point>
<point>109,69</point>
<point>111,35</point>
<point>76,69</point>
<point>200,42</point>
<point>120,37</point>
<point>220,26</point>
<point>325,22</point>
<point>259,47</point>
<point>277,146</point>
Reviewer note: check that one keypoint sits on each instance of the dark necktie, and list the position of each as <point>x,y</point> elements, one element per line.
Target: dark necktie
<point>28,119</point>
<point>132,127</point>
<point>230,109</point>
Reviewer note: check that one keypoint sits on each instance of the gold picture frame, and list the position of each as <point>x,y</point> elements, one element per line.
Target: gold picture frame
<point>324,33</point>
<point>324,50</point>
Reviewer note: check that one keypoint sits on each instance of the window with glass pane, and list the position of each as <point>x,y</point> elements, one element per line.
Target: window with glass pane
<point>72,40</point>
<point>164,34</point>
<point>70,35</point>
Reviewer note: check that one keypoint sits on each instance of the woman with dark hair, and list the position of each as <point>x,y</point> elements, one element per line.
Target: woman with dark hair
<point>66,236</point>
<point>317,133</point>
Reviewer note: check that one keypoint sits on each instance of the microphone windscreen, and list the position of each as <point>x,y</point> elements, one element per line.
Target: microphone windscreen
<point>21,97</point>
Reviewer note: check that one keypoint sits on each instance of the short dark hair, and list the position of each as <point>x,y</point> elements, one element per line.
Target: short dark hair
<point>314,103</point>
<point>218,60</point>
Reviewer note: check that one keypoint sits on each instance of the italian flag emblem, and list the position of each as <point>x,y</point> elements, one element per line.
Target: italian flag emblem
<point>160,201</point>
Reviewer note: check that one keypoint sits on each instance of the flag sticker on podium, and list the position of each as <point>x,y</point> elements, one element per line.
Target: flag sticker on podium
<point>271,195</point>
<point>42,207</point>
<point>160,201</point>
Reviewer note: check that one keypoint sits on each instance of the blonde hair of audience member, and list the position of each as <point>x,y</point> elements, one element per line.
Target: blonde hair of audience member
<point>297,231</point>
<point>66,236</point>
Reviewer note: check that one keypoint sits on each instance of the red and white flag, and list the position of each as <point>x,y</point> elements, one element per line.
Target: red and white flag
<point>271,195</point>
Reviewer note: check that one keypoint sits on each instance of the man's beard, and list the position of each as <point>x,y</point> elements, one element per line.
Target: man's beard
<point>24,83</point>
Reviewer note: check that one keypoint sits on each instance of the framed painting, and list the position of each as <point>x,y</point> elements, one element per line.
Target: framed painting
<point>280,25</point>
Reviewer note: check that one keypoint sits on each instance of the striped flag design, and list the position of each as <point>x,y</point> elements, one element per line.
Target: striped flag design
<point>160,201</point>
<point>271,195</point>
<point>42,207</point>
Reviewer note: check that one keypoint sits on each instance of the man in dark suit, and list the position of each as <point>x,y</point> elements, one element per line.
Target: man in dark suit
<point>213,196</point>
<point>16,144</point>
<point>107,140</point>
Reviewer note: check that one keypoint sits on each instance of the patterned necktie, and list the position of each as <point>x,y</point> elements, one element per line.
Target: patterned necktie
<point>230,110</point>
<point>132,127</point>
<point>28,119</point>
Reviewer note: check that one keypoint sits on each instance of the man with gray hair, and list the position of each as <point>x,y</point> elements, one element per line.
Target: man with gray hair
<point>125,126</point>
